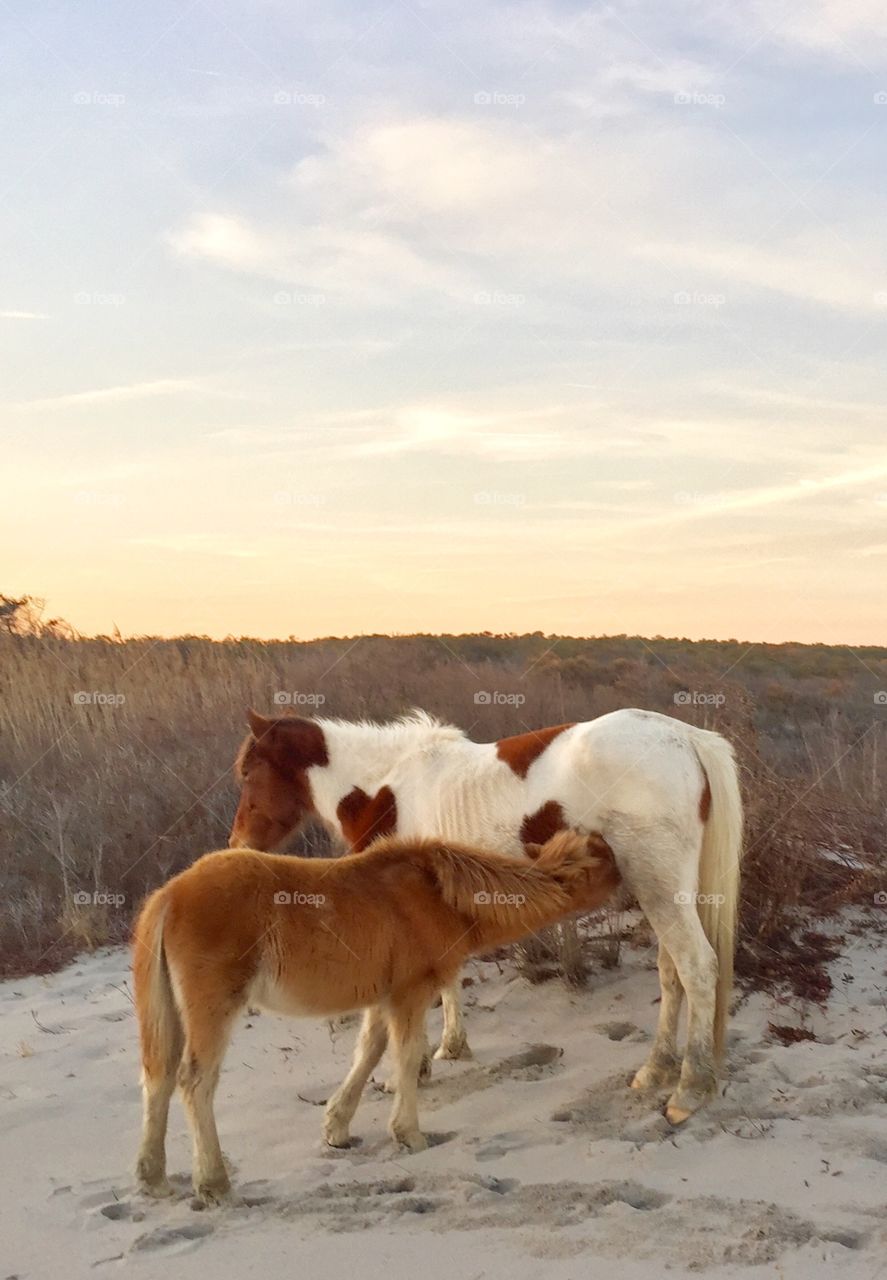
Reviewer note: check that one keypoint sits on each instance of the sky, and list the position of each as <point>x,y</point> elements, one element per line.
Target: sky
<point>446,316</point>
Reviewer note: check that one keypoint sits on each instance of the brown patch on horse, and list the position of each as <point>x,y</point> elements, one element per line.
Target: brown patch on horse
<point>540,826</point>
<point>520,751</point>
<point>705,799</point>
<point>365,819</point>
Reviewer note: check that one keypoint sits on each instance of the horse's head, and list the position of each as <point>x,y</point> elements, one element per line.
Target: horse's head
<point>272,769</point>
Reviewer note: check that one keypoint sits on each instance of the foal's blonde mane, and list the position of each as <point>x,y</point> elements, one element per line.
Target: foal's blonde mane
<point>491,887</point>
<point>481,884</point>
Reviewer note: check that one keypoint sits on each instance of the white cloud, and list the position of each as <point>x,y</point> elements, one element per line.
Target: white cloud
<point>107,395</point>
<point>224,239</point>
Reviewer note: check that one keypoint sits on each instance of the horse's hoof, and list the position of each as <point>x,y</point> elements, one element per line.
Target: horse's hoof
<point>677,1115</point>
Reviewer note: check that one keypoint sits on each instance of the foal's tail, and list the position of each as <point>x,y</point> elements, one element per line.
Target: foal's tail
<point>718,900</point>
<point>160,1026</point>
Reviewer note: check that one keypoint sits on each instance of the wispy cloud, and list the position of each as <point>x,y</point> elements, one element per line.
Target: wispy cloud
<point>110,395</point>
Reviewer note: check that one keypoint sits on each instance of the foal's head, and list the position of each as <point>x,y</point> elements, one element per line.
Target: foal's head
<point>583,865</point>
<point>272,768</point>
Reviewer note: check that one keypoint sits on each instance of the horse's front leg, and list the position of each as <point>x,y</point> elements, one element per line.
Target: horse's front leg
<point>454,1042</point>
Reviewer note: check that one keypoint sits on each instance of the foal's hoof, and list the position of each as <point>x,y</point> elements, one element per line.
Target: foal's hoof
<point>152,1180</point>
<point>412,1141</point>
<point>453,1047</point>
<point>676,1115</point>
<point>157,1189</point>
<point>212,1192</point>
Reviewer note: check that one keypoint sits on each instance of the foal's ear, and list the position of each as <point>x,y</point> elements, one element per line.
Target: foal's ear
<point>532,851</point>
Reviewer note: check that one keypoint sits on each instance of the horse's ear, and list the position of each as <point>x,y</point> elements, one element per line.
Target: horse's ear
<point>532,851</point>
<point>258,725</point>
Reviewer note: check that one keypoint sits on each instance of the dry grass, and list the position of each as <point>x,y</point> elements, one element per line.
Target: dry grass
<point>109,795</point>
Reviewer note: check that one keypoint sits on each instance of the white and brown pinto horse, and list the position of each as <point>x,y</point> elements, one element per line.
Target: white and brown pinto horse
<point>662,793</point>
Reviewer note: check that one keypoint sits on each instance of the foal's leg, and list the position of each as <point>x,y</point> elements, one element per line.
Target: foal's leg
<point>406,1028</point>
<point>162,1040</point>
<point>342,1105</point>
<point>157,1089</point>
<point>663,1065</point>
<point>206,1035</point>
<point>454,1042</point>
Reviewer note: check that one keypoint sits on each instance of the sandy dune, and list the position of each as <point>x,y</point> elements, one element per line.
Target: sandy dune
<point>543,1161</point>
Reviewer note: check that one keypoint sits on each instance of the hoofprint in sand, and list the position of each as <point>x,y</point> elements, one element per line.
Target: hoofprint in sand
<point>543,1160</point>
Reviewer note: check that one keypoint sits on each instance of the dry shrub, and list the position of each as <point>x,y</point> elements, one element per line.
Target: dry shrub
<point>114,793</point>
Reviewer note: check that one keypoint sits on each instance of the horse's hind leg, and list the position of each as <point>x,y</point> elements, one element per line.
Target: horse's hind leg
<point>342,1105</point>
<point>697,967</point>
<point>676,921</point>
<point>663,1066</point>
<point>664,882</point>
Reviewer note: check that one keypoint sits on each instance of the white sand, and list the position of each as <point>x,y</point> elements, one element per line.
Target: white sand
<point>553,1169</point>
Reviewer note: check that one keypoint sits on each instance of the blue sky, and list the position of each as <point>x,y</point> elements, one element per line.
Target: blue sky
<point>445,316</point>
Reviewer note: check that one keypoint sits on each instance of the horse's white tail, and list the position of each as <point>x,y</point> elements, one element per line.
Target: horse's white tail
<point>718,901</point>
